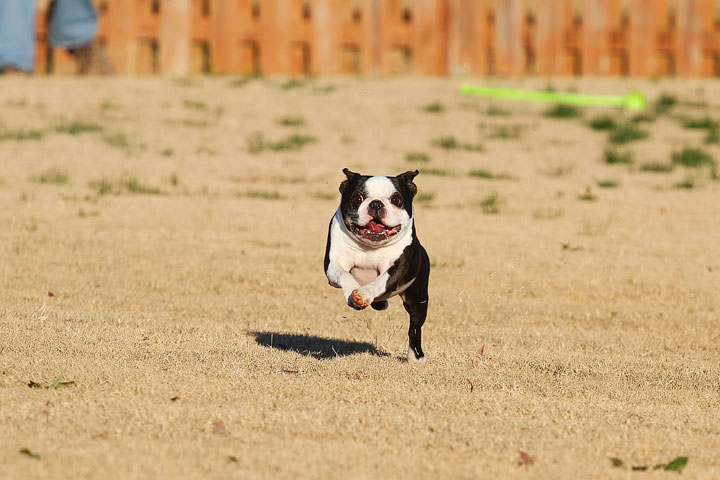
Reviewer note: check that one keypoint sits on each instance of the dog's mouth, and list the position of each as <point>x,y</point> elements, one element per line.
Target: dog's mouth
<point>376,231</point>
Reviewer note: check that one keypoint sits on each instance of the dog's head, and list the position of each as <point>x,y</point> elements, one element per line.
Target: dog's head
<point>376,209</point>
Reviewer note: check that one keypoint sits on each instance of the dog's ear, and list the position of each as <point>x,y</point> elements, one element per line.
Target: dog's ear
<point>350,176</point>
<point>407,179</point>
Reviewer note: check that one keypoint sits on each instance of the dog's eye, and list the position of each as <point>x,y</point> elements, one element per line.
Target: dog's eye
<point>356,200</point>
<point>396,200</point>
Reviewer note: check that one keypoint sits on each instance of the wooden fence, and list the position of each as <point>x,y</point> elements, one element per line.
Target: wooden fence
<point>430,37</point>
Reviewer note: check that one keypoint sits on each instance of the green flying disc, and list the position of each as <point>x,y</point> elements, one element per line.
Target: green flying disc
<point>633,100</point>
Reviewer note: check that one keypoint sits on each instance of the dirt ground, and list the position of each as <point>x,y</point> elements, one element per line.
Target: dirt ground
<point>161,246</point>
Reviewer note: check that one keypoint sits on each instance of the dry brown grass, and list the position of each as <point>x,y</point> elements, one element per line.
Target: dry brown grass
<point>204,341</point>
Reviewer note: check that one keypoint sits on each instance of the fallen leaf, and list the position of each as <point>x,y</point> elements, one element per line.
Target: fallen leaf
<point>471,385</point>
<point>174,399</point>
<point>233,459</point>
<point>51,294</point>
<point>616,462</point>
<point>481,350</point>
<point>525,459</point>
<point>219,428</point>
<point>639,468</point>
<point>30,453</point>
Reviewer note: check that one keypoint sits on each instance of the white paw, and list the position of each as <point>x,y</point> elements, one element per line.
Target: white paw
<point>360,298</point>
<point>413,359</point>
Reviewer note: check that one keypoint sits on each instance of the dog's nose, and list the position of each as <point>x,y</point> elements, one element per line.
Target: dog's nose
<point>375,207</point>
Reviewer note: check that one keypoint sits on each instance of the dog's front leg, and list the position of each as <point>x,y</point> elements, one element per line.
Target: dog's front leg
<point>339,278</point>
<point>363,296</point>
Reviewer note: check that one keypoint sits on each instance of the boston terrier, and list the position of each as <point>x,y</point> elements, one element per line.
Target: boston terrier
<point>373,252</point>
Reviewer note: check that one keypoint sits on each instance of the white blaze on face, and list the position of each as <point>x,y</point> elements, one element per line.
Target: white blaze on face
<point>381,188</point>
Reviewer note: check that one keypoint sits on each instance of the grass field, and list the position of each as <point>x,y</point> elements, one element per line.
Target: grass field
<point>164,311</point>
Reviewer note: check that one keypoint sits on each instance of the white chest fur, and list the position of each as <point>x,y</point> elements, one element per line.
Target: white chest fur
<point>364,263</point>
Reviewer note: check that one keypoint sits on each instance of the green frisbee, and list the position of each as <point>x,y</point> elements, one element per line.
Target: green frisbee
<point>633,100</point>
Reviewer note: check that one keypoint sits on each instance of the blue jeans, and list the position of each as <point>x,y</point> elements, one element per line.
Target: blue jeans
<point>73,24</point>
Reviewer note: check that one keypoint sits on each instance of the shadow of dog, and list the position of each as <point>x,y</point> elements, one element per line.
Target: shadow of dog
<point>316,347</point>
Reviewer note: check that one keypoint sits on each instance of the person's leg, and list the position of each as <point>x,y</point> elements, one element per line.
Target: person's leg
<point>74,23</point>
<point>17,34</point>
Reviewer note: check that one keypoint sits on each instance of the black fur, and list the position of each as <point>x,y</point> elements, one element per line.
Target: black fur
<point>413,263</point>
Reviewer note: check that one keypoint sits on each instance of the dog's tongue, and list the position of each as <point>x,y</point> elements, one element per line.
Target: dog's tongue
<point>376,227</point>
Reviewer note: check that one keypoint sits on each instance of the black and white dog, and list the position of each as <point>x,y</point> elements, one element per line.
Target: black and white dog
<point>373,252</point>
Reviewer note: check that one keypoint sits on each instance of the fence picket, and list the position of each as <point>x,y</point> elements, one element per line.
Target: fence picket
<point>431,37</point>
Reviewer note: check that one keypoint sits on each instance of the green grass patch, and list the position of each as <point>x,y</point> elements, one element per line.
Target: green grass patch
<point>126,184</point>
<point>595,227</point>
<point>626,133</point>
<point>29,453</point>
<point>488,175</point>
<point>495,111</point>
<point>417,157</point>
<point>506,132</point>
<point>657,167</point>
<point>195,105</point>
<point>133,184</point>
<point>85,214</point>
<point>324,195</point>
<point>438,172</point>
<point>608,183</point>
<point>643,118</point>
<point>76,128</point>
<point>587,195</point>
<point>291,121</point>
<point>186,81</point>
<point>491,204</point>
<point>687,184</point>
<point>21,134</point>
<point>262,194</point>
<point>603,122</point>
<point>713,136</point>
<point>664,103</point>
<point>191,122</point>
<point>101,186</point>
<point>293,83</point>
<point>704,123</point>
<point>563,111</point>
<point>434,107</point>
<point>558,170</point>
<point>448,143</point>
<point>117,140</point>
<point>325,89</point>
<point>614,156</point>
<point>294,142</point>
<point>52,176</point>
<point>452,143</point>
<point>693,157</point>
<point>242,81</point>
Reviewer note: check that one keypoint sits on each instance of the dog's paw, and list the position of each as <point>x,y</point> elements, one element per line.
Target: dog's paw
<point>359,299</point>
<point>379,305</point>
<point>414,359</point>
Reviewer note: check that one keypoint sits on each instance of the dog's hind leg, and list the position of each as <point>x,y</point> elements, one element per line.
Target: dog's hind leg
<point>415,301</point>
